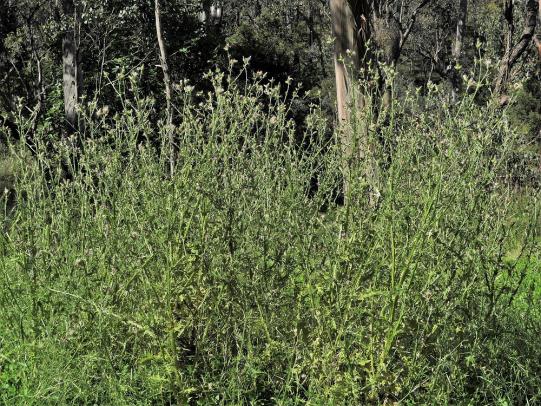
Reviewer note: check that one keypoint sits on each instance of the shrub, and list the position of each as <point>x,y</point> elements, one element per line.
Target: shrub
<point>231,282</point>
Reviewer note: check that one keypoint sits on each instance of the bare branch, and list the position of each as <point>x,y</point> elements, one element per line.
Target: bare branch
<point>405,33</point>
<point>515,52</point>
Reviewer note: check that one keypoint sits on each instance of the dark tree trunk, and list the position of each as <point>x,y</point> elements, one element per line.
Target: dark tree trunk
<point>387,37</point>
<point>513,53</point>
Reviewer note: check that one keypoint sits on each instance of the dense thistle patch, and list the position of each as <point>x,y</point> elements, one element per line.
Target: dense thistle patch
<point>225,283</point>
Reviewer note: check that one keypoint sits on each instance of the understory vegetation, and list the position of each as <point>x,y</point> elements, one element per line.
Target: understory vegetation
<point>240,279</point>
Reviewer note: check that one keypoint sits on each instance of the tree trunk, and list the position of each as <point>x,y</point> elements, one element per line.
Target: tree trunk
<point>387,38</point>
<point>204,16</point>
<point>460,29</point>
<point>71,70</point>
<point>391,36</point>
<point>513,53</point>
<point>351,33</point>
<point>457,48</point>
<point>346,53</point>
<point>536,40</point>
<point>167,84</point>
<point>538,46</point>
<point>39,85</point>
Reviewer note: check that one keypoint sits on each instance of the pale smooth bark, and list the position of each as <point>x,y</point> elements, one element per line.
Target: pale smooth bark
<point>460,29</point>
<point>351,33</point>
<point>346,53</point>
<point>536,40</point>
<point>457,48</point>
<point>71,70</point>
<point>167,84</point>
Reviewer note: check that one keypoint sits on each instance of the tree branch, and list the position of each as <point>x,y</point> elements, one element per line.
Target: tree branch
<point>405,33</point>
<point>515,52</point>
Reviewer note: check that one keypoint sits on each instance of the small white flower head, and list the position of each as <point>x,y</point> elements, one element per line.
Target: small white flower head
<point>134,75</point>
<point>478,44</point>
<point>102,112</point>
<point>185,87</point>
<point>432,87</point>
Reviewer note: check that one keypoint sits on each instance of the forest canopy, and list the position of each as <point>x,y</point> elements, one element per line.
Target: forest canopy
<point>425,41</point>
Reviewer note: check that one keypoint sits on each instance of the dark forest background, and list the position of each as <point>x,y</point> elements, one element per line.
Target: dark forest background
<point>282,38</point>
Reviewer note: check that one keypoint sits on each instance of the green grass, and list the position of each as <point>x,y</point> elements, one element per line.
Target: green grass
<point>224,283</point>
